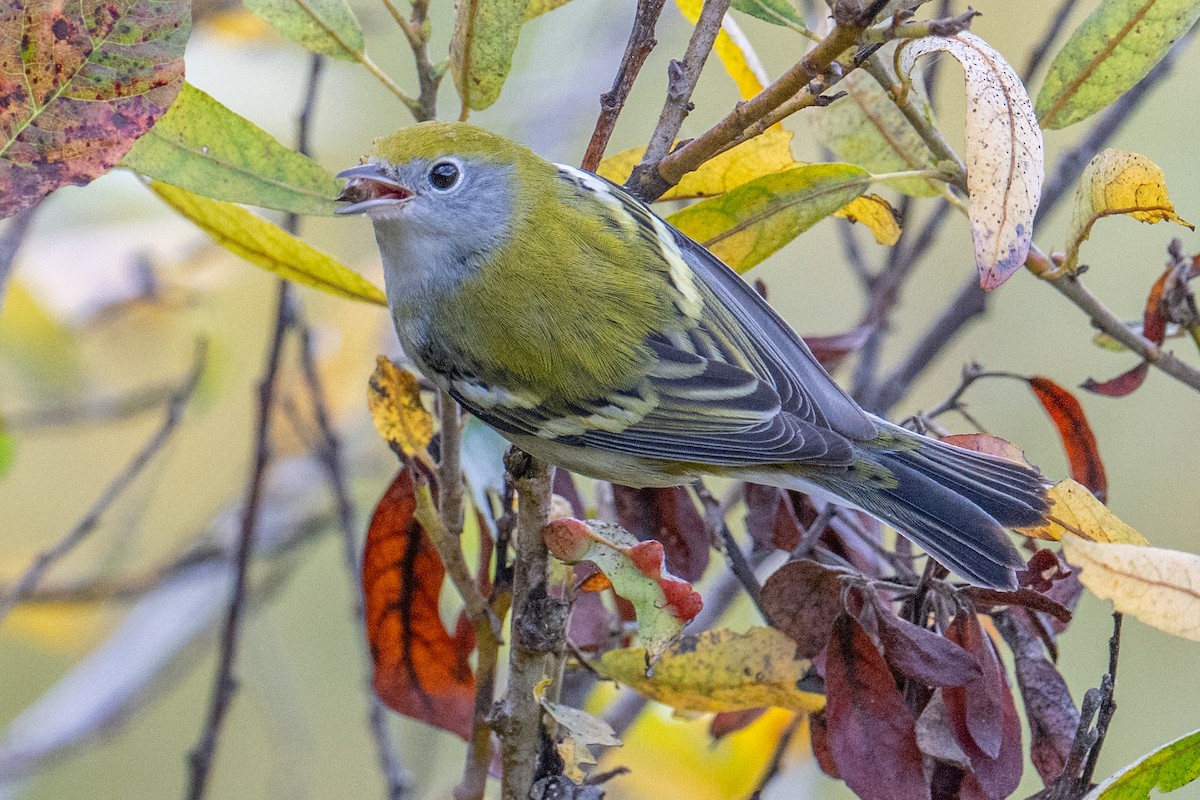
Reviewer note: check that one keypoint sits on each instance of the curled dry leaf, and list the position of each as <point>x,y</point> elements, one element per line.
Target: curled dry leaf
<point>1114,48</point>
<point>718,670</point>
<point>1159,587</point>
<point>1118,183</point>
<point>1074,509</point>
<point>803,599</point>
<point>266,245</point>
<point>1004,155</point>
<point>871,732</point>
<point>746,225</point>
<point>421,670</point>
<point>986,443</point>
<point>578,732</point>
<point>394,398</point>
<point>1083,454</point>
<point>876,214</point>
<point>80,83</point>
<point>663,602</point>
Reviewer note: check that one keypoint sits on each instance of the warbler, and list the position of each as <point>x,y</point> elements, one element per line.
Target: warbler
<point>563,312</point>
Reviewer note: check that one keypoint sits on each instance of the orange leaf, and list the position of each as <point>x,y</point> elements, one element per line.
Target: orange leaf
<point>421,670</point>
<point>1083,454</point>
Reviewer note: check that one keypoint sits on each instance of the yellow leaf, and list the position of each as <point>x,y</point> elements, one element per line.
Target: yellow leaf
<point>1159,587</point>
<point>718,670</point>
<point>1117,182</point>
<point>268,246</point>
<point>734,51</point>
<point>766,154</point>
<point>1075,510</point>
<point>394,397</point>
<point>877,214</point>
<point>665,751</point>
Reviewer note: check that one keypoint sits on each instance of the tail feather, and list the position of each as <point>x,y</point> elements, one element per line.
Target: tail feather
<point>954,503</point>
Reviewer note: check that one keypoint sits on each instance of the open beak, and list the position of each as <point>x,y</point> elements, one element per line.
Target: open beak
<point>369,186</point>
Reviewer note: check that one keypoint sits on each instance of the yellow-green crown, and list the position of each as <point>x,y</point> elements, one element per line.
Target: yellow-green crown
<point>431,140</point>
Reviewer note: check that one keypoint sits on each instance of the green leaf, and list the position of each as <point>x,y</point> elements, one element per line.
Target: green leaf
<point>745,225</point>
<point>202,146</point>
<point>1168,768</point>
<point>777,12</point>
<point>81,82</point>
<point>866,128</point>
<point>269,246</point>
<point>327,27</point>
<point>538,7</point>
<point>1111,51</point>
<point>481,49</point>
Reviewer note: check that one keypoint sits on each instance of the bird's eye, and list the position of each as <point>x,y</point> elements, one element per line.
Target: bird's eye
<point>443,175</point>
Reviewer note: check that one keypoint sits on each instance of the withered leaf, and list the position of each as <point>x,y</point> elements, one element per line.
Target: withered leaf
<point>803,599</point>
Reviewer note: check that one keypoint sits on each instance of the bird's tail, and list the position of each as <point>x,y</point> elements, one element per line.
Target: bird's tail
<point>953,502</point>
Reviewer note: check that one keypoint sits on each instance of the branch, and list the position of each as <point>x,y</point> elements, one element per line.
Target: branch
<point>641,42</point>
<point>179,400</point>
<point>429,76</point>
<point>224,684</point>
<point>329,451</point>
<point>538,629</point>
<point>653,177</point>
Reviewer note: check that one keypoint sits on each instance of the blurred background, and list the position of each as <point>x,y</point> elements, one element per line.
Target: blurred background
<point>111,290</point>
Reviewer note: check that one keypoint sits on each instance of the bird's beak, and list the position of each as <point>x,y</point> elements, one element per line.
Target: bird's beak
<point>369,186</point>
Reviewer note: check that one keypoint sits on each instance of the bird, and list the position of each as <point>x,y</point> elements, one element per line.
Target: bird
<point>564,313</point>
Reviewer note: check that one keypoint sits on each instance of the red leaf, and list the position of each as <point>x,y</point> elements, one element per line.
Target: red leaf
<point>922,654</point>
<point>985,717</point>
<point>1123,384</point>
<point>668,516</point>
<point>818,727</point>
<point>771,520</point>
<point>421,670</point>
<point>831,351</point>
<point>872,734</point>
<point>80,83</point>
<point>1052,715</point>
<point>803,599</point>
<point>1154,328</point>
<point>728,722</point>
<point>1083,454</point>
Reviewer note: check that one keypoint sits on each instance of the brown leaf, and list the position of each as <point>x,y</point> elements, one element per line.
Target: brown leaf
<point>919,653</point>
<point>421,670</point>
<point>872,734</point>
<point>984,710</point>
<point>935,734</point>
<point>803,599</point>
<point>1052,715</point>
<point>728,722</point>
<point>1083,454</point>
<point>818,727</point>
<point>668,516</point>
<point>80,83</point>
<point>770,518</point>
<point>832,350</point>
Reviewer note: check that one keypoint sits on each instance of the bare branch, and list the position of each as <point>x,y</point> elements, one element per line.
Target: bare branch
<point>10,242</point>
<point>637,50</point>
<point>175,408</point>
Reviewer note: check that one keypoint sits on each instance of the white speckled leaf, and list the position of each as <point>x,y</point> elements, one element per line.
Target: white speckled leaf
<point>1003,152</point>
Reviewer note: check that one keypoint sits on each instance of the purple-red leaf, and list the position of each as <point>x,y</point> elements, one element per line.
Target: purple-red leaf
<point>1083,454</point>
<point>803,599</point>
<point>728,722</point>
<point>421,670</point>
<point>871,733</point>
<point>831,351</point>
<point>1154,328</point>
<point>1052,715</point>
<point>667,516</point>
<point>922,654</point>
<point>771,519</point>
<point>80,83</point>
<point>984,716</point>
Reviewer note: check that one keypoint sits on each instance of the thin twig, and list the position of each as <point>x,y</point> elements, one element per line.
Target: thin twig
<point>637,49</point>
<point>1108,705</point>
<point>776,763</point>
<point>450,479</point>
<point>714,520</point>
<point>429,76</point>
<point>10,243</point>
<point>224,685</point>
<point>93,410</point>
<point>538,629</point>
<point>82,529</point>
